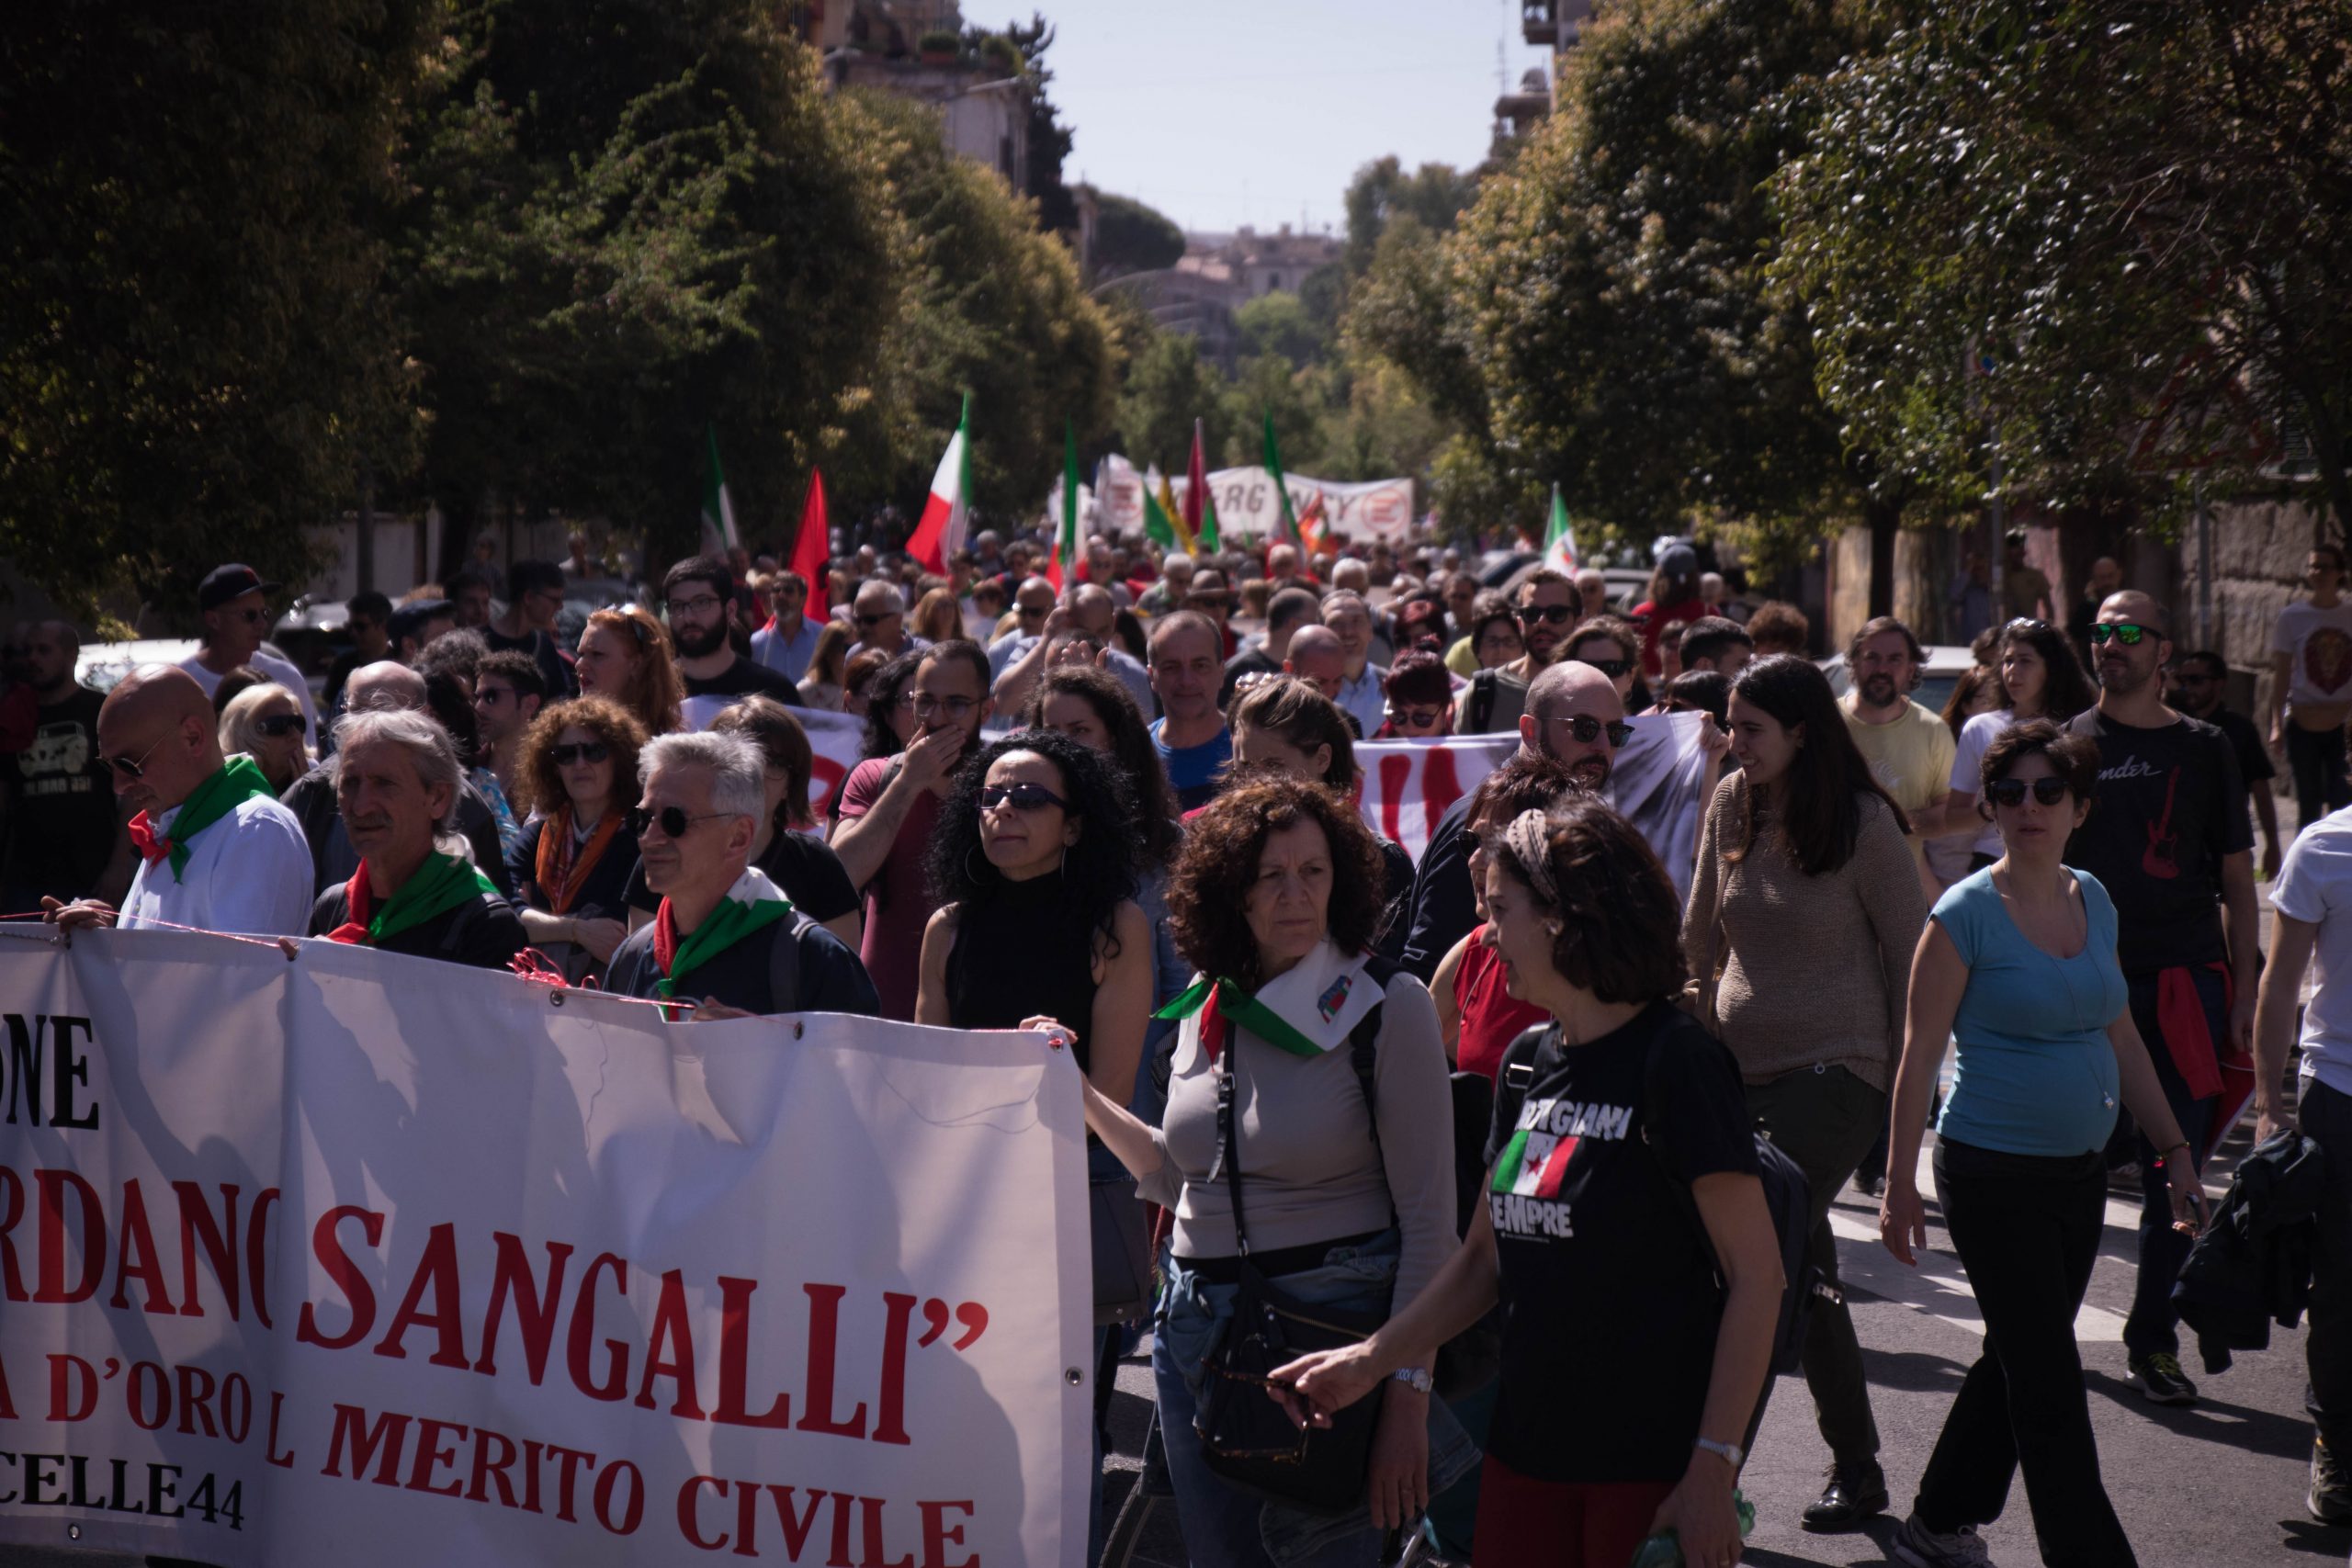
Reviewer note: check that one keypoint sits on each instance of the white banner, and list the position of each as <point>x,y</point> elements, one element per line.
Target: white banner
<point>835,741</point>
<point>360,1259</point>
<point>1408,784</point>
<point>1382,509</point>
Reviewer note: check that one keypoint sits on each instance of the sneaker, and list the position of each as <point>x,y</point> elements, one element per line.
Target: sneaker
<point>1918,1547</point>
<point>1871,1186</point>
<point>2161,1379</point>
<point>2330,1499</point>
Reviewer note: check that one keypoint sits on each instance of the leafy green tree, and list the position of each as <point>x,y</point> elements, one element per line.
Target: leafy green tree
<point>1168,385</point>
<point>195,354</point>
<point>1277,323</point>
<point>1132,237</point>
<point>2120,251</point>
<point>1435,194</point>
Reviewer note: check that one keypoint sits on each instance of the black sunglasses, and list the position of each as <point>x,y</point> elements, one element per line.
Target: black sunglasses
<point>1021,796</point>
<point>1612,667</point>
<point>877,620</point>
<point>1557,615</point>
<point>588,751</point>
<point>129,769</point>
<point>2047,790</point>
<point>672,819</point>
<point>1587,729</point>
<point>2125,632</point>
<point>278,725</point>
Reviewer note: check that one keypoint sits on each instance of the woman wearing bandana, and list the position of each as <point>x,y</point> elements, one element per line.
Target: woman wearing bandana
<point>397,782</point>
<point>1346,1206</point>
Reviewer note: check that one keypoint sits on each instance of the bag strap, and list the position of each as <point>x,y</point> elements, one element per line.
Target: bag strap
<point>784,962</point>
<point>1228,1152</point>
<point>1482,700</point>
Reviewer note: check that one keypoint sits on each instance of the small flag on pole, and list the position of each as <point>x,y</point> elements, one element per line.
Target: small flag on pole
<point>941,533</point>
<point>1161,498</point>
<point>1285,519</point>
<point>1063,568</point>
<point>719,535</point>
<point>1559,537</point>
<point>813,545</point>
<point>1200,509</point>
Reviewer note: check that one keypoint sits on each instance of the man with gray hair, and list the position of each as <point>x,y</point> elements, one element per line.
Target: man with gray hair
<point>725,940</point>
<point>879,614</point>
<point>1363,692</point>
<point>397,785</point>
<point>1167,594</point>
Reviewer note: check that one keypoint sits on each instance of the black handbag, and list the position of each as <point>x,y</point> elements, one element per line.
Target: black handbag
<point>1247,1438</point>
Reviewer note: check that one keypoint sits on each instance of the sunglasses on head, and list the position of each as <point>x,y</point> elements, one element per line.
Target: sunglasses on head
<point>672,819</point>
<point>1612,667</point>
<point>2047,790</point>
<point>1587,729</point>
<point>2125,632</point>
<point>1556,615</point>
<point>279,725</point>
<point>1021,797</point>
<point>587,751</point>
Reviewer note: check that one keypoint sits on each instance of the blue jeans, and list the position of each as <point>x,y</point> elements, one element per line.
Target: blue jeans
<point>1228,1528</point>
<point>2153,1327</point>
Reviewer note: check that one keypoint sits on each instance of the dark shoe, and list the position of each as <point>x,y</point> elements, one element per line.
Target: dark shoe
<point>1869,1186</point>
<point>2330,1494</point>
<point>2161,1379</point>
<point>1917,1546</point>
<point>1855,1494</point>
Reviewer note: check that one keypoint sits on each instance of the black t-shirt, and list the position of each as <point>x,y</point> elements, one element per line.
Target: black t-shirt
<point>1444,907</point>
<point>2254,758</point>
<point>808,872</point>
<point>484,933</point>
<point>544,653</point>
<point>746,679</point>
<point>602,892</point>
<point>830,978</point>
<point>2171,804</point>
<point>62,824</point>
<point>1610,1295</point>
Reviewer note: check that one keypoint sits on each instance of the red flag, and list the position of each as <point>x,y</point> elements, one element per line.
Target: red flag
<point>1196,484</point>
<point>1314,533</point>
<point>813,545</point>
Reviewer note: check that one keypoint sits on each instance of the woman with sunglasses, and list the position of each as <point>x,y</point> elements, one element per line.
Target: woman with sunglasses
<point>2039,678</point>
<point>1613,647</point>
<point>1420,691</point>
<point>822,687</point>
<point>1804,912</point>
<point>625,656</point>
<point>572,868</point>
<point>2018,968</point>
<point>266,723</point>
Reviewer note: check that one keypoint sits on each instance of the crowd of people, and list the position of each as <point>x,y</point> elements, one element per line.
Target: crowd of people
<point>1126,814</point>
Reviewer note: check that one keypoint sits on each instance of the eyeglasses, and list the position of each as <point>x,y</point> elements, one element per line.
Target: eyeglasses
<point>2125,632</point>
<point>925,705</point>
<point>279,725</point>
<point>1418,719</point>
<point>866,622</point>
<point>1019,796</point>
<point>1553,615</point>
<point>2011,792</point>
<point>1612,667</point>
<point>137,769</point>
<point>672,819</point>
<point>587,751</point>
<point>692,606</point>
<point>1035,612</point>
<point>250,616</point>
<point>1587,729</point>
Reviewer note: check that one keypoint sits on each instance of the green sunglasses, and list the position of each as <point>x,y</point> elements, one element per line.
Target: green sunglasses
<point>2123,632</point>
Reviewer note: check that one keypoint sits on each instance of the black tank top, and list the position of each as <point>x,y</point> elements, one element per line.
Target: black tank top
<point>1019,953</point>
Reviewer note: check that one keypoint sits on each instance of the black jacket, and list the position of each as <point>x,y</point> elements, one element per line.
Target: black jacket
<point>794,955</point>
<point>484,933</point>
<point>2254,1261</point>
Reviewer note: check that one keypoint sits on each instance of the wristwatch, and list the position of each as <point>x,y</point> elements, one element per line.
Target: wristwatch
<point>1415,1378</point>
<point>1731,1454</point>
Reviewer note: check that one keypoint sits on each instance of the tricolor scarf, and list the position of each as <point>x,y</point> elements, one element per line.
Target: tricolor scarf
<point>562,865</point>
<point>752,904</point>
<point>441,884</point>
<point>1307,1010</point>
<point>237,780</point>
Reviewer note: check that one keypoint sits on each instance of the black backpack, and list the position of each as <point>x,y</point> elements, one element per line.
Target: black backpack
<point>1787,1195</point>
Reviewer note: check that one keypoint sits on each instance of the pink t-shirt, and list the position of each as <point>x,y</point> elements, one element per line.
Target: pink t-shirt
<point>898,901</point>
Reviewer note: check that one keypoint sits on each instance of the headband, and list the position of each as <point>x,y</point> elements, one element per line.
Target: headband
<point>1528,840</point>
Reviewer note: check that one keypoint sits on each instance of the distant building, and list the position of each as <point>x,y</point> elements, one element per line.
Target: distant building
<point>1553,24</point>
<point>983,102</point>
<point>1219,273</point>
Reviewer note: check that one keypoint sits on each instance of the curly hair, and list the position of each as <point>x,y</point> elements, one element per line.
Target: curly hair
<point>1100,871</point>
<point>1620,924</point>
<point>2073,758</point>
<point>1114,709</point>
<point>653,692</point>
<point>538,784</point>
<point>1223,845</point>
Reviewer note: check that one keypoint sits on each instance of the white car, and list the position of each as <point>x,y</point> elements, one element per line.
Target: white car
<point>1946,664</point>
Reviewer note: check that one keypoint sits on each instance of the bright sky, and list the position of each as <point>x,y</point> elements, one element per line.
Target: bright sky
<point>1226,112</point>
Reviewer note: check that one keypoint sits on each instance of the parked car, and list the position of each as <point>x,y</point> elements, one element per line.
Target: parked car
<point>102,665</point>
<point>1945,664</point>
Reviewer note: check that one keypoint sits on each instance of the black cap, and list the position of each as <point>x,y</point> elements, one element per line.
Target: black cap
<point>223,583</point>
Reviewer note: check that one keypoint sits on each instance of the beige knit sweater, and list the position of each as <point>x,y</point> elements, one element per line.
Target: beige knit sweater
<point>1818,967</point>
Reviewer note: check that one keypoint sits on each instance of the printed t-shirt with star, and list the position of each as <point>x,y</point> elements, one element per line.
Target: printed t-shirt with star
<point>1609,1296</point>
<point>2318,646</point>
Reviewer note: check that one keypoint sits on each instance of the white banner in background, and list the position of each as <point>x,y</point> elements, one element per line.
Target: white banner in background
<point>1381,508</point>
<point>366,1260</point>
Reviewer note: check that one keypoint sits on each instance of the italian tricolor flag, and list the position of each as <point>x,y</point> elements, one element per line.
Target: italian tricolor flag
<point>1065,568</point>
<point>1522,1177</point>
<point>719,531</point>
<point>1559,537</point>
<point>941,533</point>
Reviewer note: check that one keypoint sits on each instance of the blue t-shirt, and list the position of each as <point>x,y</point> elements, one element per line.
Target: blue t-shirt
<point>1194,770</point>
<point>2035,1073</point>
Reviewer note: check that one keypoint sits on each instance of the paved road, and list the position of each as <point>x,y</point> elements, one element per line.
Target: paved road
<point>2214,1486</point>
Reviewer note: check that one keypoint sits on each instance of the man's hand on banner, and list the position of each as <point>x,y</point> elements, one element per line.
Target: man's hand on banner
<point>83,914</point>
<point>712,1008</point>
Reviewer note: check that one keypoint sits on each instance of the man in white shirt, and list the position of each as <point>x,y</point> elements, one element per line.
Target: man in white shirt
<point>2310,687</point>
<point>235,605</point>
<point>217,852</point>
<point>2314,899</point>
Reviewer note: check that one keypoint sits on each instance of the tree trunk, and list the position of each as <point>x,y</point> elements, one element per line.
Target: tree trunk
<point>1885,520</point>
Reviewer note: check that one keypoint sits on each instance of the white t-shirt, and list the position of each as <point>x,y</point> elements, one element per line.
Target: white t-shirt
<point>2314,886</point>
<point>248,872</point>
<point>1968,768</point>
<point>2318,644</point>
<point>277,670</point>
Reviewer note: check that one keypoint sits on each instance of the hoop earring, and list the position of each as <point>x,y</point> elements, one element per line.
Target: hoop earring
<point>970,876</point>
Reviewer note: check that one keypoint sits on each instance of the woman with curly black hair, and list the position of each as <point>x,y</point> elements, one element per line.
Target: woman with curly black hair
<point>1033,865</point>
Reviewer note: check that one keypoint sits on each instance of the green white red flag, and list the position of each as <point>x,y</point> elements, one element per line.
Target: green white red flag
<point>1559,537</point>
<point>941,533</point>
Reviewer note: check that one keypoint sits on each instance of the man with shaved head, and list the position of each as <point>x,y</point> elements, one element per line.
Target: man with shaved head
<point>217,852</point>
<point>2170,843</point>
<point>64,837</point>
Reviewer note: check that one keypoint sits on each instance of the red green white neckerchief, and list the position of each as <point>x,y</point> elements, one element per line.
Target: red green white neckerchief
<point>752,904</point>
<point>237,780</point>
<point>441,884</point>
<point>1223,1002</point>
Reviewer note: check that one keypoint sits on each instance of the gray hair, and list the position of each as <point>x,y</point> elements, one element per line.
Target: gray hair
<point>737,767</point>
<point>428,745</point>
<point>880,590</point>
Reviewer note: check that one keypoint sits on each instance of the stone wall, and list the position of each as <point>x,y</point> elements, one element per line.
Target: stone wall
<point>2259,549</point>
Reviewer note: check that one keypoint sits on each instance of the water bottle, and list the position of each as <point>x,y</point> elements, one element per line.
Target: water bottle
<point>1662,1550</point>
